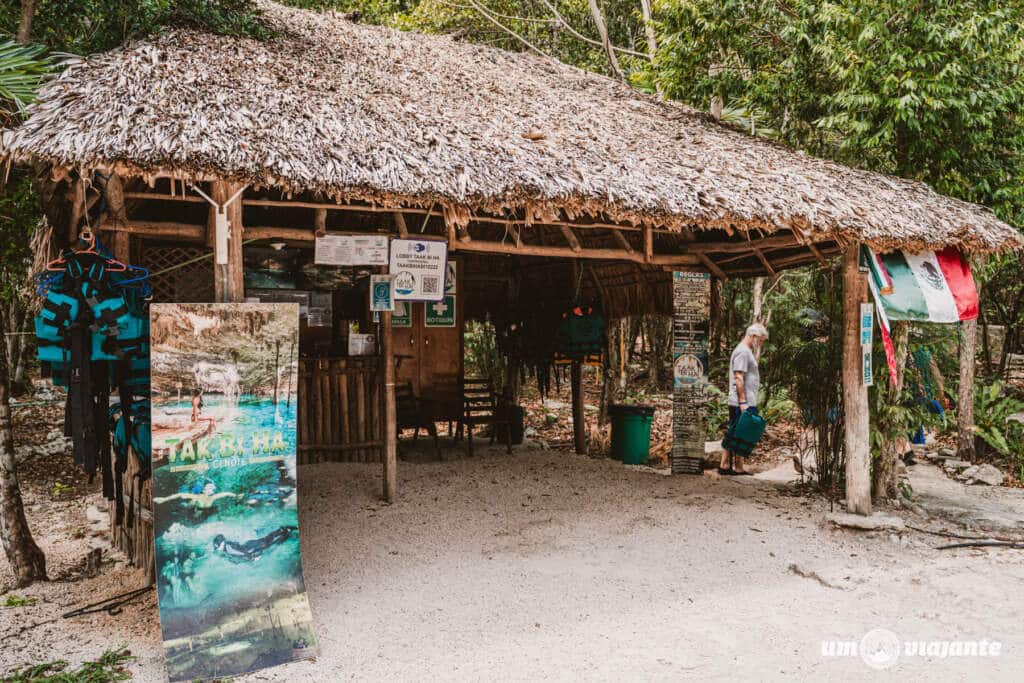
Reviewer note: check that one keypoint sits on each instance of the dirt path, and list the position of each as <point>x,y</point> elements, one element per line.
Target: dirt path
<point>547,565</point>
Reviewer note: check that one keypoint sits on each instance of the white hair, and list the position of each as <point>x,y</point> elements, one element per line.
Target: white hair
<point>757,330</point>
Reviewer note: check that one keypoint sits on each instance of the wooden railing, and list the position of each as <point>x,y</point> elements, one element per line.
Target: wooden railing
<point>340,415</point>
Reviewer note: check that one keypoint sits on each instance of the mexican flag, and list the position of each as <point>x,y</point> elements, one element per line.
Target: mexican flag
<point>930,286</point>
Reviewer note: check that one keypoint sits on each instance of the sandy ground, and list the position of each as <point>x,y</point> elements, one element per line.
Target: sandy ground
<point>546,565</point>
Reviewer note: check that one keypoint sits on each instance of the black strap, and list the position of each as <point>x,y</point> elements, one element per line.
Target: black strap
<point>101,373</point>
<point>81,402</point>
<point>61,312</point>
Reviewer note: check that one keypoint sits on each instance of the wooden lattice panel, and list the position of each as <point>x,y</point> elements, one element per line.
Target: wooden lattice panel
<point>189,283</point>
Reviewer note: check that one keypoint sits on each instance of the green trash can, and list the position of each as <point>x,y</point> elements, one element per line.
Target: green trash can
<point>631,432</point>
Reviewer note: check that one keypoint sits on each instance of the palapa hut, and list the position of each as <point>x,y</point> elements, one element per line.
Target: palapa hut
<point>546,182</point>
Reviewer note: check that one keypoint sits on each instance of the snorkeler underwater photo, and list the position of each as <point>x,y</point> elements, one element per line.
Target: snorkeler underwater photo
<point>229,576</point>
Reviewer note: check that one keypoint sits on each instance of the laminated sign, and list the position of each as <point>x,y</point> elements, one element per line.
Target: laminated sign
<point>418,267</point>
<point>351,250</point>
<point>228,571</point>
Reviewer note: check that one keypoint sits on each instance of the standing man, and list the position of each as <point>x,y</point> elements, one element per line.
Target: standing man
<point>744,385</point>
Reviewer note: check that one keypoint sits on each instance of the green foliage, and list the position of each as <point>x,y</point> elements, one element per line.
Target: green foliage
<point>807,358</point>
<point>18,601</point>
<point>22,70</point>
<point>716,412</point>
<point>992,408</point>
<point>110,667</point>
<point>86,26</point>
<point>19,215</point>
<point>923,90</point>
<point>481,355</point>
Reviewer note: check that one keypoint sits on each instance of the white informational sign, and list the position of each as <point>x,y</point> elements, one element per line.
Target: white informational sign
<point>867,324</point>
<point>382,295</point>
<point>419,269</point>
<point>361,344</point>
<point>351,250</point>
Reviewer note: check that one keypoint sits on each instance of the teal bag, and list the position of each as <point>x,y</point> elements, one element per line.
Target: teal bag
<point>744,435</point>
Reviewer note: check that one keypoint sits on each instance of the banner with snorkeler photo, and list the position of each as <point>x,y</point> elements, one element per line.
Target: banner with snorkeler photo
<point>229,574</point>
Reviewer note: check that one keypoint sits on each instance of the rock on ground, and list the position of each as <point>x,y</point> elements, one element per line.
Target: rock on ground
<point>874,522</point>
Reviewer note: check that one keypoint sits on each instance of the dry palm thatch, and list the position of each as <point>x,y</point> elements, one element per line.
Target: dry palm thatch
<point>362,113</point>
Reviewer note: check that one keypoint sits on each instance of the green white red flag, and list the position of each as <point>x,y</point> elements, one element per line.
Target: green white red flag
<point>930,286</point>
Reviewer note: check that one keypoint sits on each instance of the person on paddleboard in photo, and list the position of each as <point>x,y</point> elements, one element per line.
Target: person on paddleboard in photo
<point>744,385</point>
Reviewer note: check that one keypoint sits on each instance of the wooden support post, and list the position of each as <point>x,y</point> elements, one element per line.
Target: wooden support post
<point>390,458</point>
<point>855,394</point>
<point>579,416</point>
<point>648,243</point>
<point>229,280</point>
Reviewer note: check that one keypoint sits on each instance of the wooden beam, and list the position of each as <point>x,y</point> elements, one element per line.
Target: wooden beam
<point>648,244</point>
<point>623,242</point>
<point>746,245</point>
<point>570,237</point>
<point>403,229</point>
<point>152,196</point>
<point>855,394</point>
<point>764,261</point>
<point>565,252</point>
<point>714,269</point>
<point>158,229</point>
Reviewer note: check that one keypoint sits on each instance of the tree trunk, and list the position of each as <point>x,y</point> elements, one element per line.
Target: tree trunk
<point>855,394</point>
<point>27,561</point>
<point>756,300</point>
<point>715,319</point>
<point>965,407</point>
<point>28,13</point>
<point>606,42</point>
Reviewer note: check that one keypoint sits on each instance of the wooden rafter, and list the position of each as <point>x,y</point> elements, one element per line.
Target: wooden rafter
<point>712,267</point>
<point>764,261</point>
<point>623,242</point>
<point>570,237</point>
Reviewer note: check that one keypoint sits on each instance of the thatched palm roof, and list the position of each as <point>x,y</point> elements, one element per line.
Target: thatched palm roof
<point>357,112</point>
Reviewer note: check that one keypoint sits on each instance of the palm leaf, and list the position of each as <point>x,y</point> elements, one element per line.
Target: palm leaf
<point>22,69</point>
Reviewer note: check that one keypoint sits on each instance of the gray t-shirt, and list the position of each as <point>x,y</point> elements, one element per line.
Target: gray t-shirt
<point>743,360</point>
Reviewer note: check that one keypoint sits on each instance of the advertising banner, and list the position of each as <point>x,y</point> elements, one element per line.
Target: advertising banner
<point>419,268</point>
<point>229,574</point>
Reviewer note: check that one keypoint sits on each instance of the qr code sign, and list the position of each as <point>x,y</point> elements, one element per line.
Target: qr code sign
<point>431,285</point>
